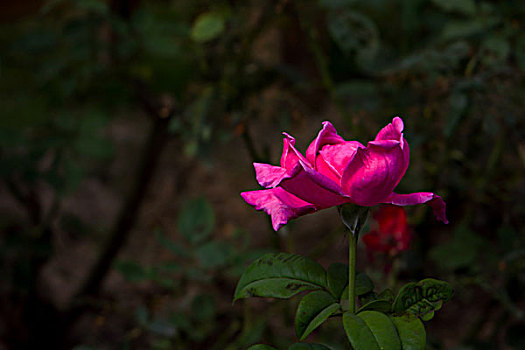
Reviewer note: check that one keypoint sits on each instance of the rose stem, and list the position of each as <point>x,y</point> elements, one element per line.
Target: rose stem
<point>352,242</point>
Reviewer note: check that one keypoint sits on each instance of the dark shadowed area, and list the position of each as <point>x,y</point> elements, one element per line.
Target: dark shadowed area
<point>128,129</point>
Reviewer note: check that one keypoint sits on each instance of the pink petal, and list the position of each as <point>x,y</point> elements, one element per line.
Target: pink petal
<point>337,156</point>
<point>433,200</point>
<point>279,204</point>
<point>392,131</point>
<point>375,171</point>
<point>327,170</point>
<point>270,176</point>
<point>291,155</point>
<point>315,188</point>
<point>327,136</point>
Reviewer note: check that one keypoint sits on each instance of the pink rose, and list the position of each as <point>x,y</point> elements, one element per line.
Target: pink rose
<point>335,172</point>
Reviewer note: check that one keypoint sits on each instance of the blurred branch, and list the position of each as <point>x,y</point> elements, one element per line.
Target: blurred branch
<point>130,211</point>
<point>28,199</point>
<point>250,145</point>
<point>40,314</point>
<point>161,110</point>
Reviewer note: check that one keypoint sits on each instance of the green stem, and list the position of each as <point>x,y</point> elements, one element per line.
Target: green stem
<point>354,218</point>
<point>352,243</point>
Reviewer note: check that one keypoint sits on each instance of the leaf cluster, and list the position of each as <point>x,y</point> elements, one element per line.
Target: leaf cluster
<point>382,321</point>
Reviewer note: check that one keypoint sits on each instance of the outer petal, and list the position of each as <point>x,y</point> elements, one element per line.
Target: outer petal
<point>433,200</point>
<point>270,176</point>
<point>392,131</point>
<point>279,204</point>
<point>327,136</point>
<point>315,188</point>
<point>374,172</point>
<point>291,156</point>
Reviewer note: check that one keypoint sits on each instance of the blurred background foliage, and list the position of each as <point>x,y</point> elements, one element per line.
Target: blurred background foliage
<point>128,128</point>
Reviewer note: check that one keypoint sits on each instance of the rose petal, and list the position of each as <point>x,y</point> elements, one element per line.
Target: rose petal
<point>375,171</point>
<point>392,131</point>
<point>338,156</point>
<point>315,187</point>
<point>433,200</point>
<point>327,136</point>
<point>270,176</point>
<point>327,170</point>
<point>279,204</point>
<point>291,155</point>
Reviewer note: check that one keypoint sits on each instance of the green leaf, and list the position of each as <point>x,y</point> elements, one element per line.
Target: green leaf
<point>308,346</point>
<point>495,50</point>
<point>377,305</point>
<point>465,7</point>
<point>173,247</point>
<point>422,298</point>
<point>457,29</point>
<point>280,276</point>
<point>358,333</point>
<point>337,278</point>
<point>213,254</point>
<point>363,285</point>
<point>250,334</point>
<point>196,220</point>
<point>313,310</point>
<point>94,6</point>
<point>132,271</point>
<point>411,332</point>
<point>368,297</point>
<point>355,34</point>
<point>520,51</point>
<point>261,347</point>
<point>181,321</point>
<point>461,251</point>
<point>386,295</point>
<point>335,4</point>
<point>458,106</point>
<point>382,328</point>
<point>371,330</point>
<point>203,307</point>
<point>207,27</point>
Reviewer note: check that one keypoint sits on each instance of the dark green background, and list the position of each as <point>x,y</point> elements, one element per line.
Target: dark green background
<point>128,129</point>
